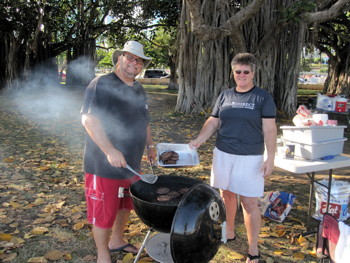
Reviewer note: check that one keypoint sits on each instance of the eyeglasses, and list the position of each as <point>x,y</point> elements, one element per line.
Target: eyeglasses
<point>246,72</point>
<point>132,59</point>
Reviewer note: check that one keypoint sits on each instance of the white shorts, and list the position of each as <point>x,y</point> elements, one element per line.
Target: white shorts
<point>240,174</point>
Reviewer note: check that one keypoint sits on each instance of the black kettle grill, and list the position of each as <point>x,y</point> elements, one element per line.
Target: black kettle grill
<point>193,223</point>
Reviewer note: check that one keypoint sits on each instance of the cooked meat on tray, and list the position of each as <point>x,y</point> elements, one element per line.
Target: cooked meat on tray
<point>169,157</point>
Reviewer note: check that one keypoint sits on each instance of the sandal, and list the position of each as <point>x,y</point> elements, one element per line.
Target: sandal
<point>124,249</point>
<point>231,239</point>
<point>251,258</point>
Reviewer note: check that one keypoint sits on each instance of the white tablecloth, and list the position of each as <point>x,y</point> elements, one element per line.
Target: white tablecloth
<point>300,165</point>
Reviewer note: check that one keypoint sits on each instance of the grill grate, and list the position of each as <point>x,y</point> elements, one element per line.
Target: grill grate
<point>150,195</point>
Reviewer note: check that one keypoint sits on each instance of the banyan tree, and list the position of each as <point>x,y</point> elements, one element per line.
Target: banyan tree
<point>212,32</point>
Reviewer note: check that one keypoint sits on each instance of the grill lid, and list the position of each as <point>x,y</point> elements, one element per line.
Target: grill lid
<point>196,229</point>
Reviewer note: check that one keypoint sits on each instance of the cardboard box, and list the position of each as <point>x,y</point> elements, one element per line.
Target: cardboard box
<point>312,134</point>
<point>315,151</point>
<point>276,205</point>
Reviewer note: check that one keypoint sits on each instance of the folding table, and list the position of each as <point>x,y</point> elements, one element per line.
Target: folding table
<point>300,165</point>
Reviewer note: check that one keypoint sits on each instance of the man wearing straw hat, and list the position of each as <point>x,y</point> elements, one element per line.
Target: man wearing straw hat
<point>115,116</point>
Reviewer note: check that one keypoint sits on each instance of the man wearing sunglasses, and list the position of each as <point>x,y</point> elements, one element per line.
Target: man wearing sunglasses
<point>244,118</point>
<point>115,117</point>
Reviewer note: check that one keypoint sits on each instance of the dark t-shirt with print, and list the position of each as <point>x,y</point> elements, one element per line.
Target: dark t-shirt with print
<point>241,115</point>
<point>124,115</point>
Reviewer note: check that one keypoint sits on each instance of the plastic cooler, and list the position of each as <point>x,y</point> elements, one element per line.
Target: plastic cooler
<point>312,134</point>
<point>313,151</point>
<point>341,105</point>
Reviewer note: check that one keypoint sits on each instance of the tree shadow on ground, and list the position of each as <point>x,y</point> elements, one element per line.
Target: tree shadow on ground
<point>42,182</point>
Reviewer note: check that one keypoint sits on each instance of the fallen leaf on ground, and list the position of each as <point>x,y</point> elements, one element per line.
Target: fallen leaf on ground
<point>39,231</point>
<point>235,256</point>
<point>68,256</point>
<point>78,225</point>
<point>15,204</point>
<point>39,201</point>
<point>54,255</point>
<point>278,252</point>
<point>5,237</point>
<point>8,160</point>
<point>128,258</point>
<point>298,255</point>
<point>89,258</point>
<point>37,260</point>
<point>18,240</point>
<point>8,257</point>
<point>265,228</point>
<point>264,235</point>
<point>313,253</point>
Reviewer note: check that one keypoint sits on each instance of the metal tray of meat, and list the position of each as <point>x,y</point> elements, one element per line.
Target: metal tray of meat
<point>187,157</point>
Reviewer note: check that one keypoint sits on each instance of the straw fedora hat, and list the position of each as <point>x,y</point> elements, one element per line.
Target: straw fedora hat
<point>134,48</point>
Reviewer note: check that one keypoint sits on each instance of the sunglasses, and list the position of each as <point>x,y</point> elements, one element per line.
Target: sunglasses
<point>132,59</point>
<point>246,72</point>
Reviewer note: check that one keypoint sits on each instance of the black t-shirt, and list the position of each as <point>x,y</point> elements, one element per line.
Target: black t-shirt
<point>241,115</point>
<point>123,113</point>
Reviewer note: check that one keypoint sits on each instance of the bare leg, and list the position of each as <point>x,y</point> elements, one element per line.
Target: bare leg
<point>117,236</point>
<point>252,220</point>
<point>319,248</point>
<point>332,247</point>
<point>101,237</point>
<point>230,200</point>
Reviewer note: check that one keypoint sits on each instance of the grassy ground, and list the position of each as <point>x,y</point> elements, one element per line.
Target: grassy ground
<point>42,212</point>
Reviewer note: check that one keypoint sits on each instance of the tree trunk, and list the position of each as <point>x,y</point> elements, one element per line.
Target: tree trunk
<point>27,54</point>
<point>173,75</point>
<point>13,58</point>
<point>338,79</point>
<point>188,49</point>
<point>333,39</point>
<point>80,64</point>
<point>213,31</point>
<point>206,64</point>
<point>204,70</point>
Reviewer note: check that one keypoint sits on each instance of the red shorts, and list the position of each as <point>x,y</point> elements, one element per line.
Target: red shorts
<point>102,199</point>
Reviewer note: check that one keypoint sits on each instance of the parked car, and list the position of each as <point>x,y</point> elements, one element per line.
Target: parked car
<point>301,81</point>
<point>155,73</point>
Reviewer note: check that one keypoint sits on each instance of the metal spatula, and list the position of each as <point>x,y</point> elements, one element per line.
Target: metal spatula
<point>148,178</point>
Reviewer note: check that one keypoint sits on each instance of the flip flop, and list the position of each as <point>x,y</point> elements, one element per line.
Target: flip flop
<point>123,249</point>
<point>231,239</point>
<point>255,257</point>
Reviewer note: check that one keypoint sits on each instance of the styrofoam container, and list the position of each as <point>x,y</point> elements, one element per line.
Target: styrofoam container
<point>323,118</point>
<point>312,134</point>
<point>315,151</point>
<point>188,157</point>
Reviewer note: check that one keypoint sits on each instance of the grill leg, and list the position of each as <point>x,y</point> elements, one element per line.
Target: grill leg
<point>143,245</point>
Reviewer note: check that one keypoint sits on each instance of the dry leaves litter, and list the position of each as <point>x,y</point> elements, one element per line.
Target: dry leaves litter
<point>42,206</point>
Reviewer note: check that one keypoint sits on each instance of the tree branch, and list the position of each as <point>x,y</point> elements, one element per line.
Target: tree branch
<point>205,32</point>
<point>244,14</point>
<point>333,32</point>
<point>335,10</point>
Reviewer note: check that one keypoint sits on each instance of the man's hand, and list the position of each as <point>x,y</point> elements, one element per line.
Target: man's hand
<point>151,154</point>
<point>116,159</point>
